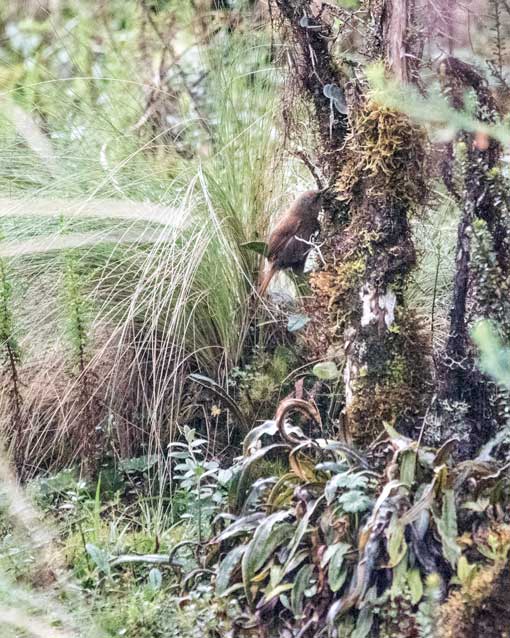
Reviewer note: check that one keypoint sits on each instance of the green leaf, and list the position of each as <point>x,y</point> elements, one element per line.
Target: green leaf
<point>99,557</point>
<point>415,585</point>
<point>227,568</point>
<point>259,247</point>
<point>297,322</point>
<point>397,546</point>
<point>347,480</point>
<point>301,530</point>
<point>326,557</point>
<point>266,539</point>
<point>268,536</point>
<point>408,467</point>
<point>296,561</point>
<point>337,575</point>
<point>399,578</point>
<point>240,487</point>
<point>240,526</point>
<point>279,589</point>
<point>275,575</point>
<point>327,370</point>
<point>151,559</point>
<point>465,571</point>
<point>268,427</point>
<point>349,4</point>
<point>364,623</point>
<point>138,464</point>
<point>354,502</point>
<point>480,505</point>
<point>155,579</point>
<point>301,583</point>
<point>447,528</point>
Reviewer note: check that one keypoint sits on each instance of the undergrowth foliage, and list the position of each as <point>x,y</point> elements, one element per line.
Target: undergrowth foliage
<point>339,543</point>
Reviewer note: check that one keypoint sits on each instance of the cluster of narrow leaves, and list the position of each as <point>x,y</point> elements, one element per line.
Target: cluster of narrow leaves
<point>321,541</point>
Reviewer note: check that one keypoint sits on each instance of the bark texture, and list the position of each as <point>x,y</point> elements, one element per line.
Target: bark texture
<point>376,157</point>
<point>480,287</point>
<point>361,287</point>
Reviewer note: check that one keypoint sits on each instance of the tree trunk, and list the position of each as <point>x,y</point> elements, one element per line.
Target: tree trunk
<point>386,376</point>
<point>357,305</point>
<point>466,397</point>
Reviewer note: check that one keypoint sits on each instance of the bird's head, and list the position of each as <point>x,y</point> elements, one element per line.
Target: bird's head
<point>310,202</point>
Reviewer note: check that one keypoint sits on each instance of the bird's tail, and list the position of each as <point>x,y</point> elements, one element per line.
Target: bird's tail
<point>266,279</point>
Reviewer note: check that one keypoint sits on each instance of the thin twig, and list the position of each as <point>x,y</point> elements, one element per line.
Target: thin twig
<point>301,154</point>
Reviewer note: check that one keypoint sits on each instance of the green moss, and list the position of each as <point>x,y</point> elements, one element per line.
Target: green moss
<point>480,606</point>
<point>259,383</point>
<point>396,388</point>
<point>384,180</point>
<point>336,285</point>
<point>388,149</point>
<point>398,370</point>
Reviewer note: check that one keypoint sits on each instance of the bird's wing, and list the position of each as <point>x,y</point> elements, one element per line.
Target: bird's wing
<point>293,248</point>
<point>283,232</point>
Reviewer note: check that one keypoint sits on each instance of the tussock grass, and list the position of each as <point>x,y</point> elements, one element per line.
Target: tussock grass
<point>154,242</point>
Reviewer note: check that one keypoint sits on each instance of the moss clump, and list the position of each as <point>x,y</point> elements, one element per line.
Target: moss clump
<point>481,607</point>
<point>339,280</point>
<point>388,149</point>
<point>491,285</point>
<point>261,380</point>
<point>336,287</point>
<point>383,179</point>
<point>396,387</point>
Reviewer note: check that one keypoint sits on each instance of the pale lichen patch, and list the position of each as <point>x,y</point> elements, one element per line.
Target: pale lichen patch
<point>377,308</point>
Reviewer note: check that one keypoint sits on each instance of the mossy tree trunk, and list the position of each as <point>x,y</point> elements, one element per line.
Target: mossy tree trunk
<point>357,306</point>
<point>470,406</point>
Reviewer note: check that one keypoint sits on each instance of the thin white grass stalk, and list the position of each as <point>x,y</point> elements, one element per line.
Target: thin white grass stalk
<point>40,540</point>
<point>156,285</point>
<point>83,204</point>
<point>103,160</point>
<point>24,514</point>
<point>165,292</point>
<point>33,85</point>
<point>232,255</point>
<point>44,606</point>
<point>88,207</point>
<point>51,243</point>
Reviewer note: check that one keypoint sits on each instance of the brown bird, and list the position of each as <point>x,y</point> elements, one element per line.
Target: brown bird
<point>288,244</point>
